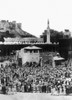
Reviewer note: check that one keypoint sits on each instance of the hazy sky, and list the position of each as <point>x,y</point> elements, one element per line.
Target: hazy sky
<point>33,14</point>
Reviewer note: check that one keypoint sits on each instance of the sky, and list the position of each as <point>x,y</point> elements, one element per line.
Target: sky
<point>34,14</point>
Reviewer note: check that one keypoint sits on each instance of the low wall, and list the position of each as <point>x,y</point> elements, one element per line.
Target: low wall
<point>33,96</point>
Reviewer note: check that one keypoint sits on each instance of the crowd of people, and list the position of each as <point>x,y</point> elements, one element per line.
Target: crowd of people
<point>36,79</point>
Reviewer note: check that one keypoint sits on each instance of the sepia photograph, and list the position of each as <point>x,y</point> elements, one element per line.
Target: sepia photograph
<point>35,50</point>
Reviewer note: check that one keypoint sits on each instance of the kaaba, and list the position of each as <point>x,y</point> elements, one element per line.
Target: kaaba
<point>65,47</point>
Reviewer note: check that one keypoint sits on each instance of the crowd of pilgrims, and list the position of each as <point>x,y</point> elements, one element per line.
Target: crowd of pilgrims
<point>36,79</point>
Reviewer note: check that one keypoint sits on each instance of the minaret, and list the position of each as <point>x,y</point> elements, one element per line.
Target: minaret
<point>48,33</point>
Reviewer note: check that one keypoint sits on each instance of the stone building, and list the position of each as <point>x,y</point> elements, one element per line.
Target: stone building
<point>29,54</point>
<point>5,25</point>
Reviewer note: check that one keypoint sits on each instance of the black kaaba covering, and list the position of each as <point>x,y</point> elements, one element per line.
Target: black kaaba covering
<point>65,47</point>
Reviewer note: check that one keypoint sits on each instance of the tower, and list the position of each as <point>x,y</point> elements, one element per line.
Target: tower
<point>48,33</point>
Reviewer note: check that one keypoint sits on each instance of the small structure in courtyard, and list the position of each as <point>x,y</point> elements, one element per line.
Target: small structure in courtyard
<point>57,60</point>
<point>29,54</point>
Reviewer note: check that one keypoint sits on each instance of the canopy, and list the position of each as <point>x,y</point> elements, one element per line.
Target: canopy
<point>58,58</point>
<point>32,48</point>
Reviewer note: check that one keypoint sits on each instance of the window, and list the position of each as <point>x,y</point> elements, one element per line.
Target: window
<point>25,51</point>
<point>35,51</point>
<point>30,51</point>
